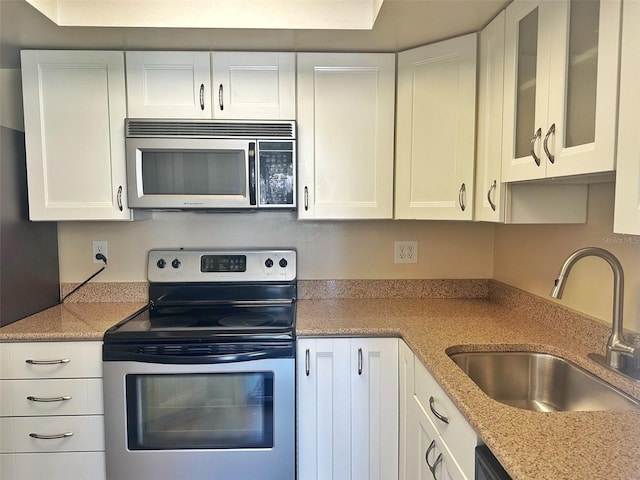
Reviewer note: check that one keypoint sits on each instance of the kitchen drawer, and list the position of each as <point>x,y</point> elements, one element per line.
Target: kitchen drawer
<point>87,434</point>
<point>83,397</point>
<point>432,451</point>
<point>76,359</point>
<point>457,433</point>
<point>53,466</point>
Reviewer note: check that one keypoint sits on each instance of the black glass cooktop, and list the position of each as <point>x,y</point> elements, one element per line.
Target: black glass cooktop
<point>207,321</point>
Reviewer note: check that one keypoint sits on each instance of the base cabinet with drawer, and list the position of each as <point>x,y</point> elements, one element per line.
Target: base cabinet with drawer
<point>51,411</point>
<point>347,408</point>
<point>436,441</point>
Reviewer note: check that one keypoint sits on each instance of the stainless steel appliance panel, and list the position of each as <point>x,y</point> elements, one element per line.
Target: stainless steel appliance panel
<point>178,441</point>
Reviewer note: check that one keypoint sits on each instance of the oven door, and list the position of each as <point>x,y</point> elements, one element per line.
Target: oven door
<point>233,421</point>
<point>191,173</point>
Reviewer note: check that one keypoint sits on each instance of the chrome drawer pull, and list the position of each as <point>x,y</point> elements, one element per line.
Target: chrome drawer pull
<point>49,399</point>
<point>359,361</point>
<point>51,437</point>
<point>47,362</point>
<point>438,415</point>
<point>307,362</point>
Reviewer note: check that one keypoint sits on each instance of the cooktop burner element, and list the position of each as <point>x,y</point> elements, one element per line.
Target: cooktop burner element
<point>198,296</point>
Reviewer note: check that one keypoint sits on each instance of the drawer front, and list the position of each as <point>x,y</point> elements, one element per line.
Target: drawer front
<point>78,396</point>
<point>458,434</point>
<point>53,466</point>
<point>77,434</point>
<point>432,454</point>
<point>51,360</point>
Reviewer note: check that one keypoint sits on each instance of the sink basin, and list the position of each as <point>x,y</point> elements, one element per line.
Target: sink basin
<point>540,382</point>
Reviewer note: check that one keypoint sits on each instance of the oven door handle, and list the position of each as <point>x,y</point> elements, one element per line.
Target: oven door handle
<point>188,359</point>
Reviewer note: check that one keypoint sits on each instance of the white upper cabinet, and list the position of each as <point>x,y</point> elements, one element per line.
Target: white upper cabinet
<point>168,84</point>
<point>490,192</point>
<point>627,204</point>
<point>254,85</point>
<point>220,85</point>
<point>345,135</point>
<point>74,111</point>
<point>435,130</point>
<point>560,91</point>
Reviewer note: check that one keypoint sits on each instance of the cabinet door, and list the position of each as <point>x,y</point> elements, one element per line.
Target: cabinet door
<point>345,135</point>
<point>435,152</point>
<point>254,85</point>
<point>324,415</point>
<point>74,111</point>
<point>525,90</point>
<point>168,85</point>
<point>489,191</point>
<point>374,407</point>
<point>627,204</point>
<point>583,86</point>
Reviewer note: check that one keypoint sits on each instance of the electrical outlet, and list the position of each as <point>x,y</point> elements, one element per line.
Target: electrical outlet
<point>406,251</point>
<point>99,246</point>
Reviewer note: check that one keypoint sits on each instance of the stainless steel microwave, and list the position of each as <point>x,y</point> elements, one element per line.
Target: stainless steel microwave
<point>209,164</point>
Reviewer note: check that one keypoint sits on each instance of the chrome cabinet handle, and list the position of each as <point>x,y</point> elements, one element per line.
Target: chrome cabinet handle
<point>461,196</point>
<point>119,198</point>
<point>492,189</point>
<point>550,156</point>
<point>202,96</point>
<point>432,468</point>
<point>51,437</point>
<point>438,415</point>
<point>537,135</point>
<point>220,100</point>
<point>47,362</point>
<point>306,198</point>
<point>49,399</point>
<point>359,361</point>
<point>307,362</point>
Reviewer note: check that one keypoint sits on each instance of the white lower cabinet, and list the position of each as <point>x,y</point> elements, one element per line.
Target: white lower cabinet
<point>347,408</point>
<point>436,440</point>
<point>51,411</point>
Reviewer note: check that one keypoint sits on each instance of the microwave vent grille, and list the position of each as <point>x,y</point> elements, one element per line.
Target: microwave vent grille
<point>208,129</point>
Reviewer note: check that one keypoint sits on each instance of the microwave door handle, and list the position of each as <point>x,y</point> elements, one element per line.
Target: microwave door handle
<point>252,173</point>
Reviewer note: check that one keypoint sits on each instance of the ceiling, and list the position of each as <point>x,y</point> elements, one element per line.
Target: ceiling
<point>401,24</point>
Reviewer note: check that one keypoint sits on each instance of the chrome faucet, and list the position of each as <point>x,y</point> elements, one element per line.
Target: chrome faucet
<point>618,350</point>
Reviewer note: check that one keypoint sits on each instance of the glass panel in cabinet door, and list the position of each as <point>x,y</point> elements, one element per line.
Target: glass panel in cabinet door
<point>526,82</point>
<point>582,72</point>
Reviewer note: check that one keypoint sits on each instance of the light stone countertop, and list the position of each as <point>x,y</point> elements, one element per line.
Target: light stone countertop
<point>530,445</point>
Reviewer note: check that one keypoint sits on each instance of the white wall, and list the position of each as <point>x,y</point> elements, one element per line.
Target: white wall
<point>529,257</point>
<point>326,250</point>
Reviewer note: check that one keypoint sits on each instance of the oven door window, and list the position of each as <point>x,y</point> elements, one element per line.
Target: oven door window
<point>200,411</point>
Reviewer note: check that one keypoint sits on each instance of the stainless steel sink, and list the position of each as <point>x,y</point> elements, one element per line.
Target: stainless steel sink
<point>540,382</point>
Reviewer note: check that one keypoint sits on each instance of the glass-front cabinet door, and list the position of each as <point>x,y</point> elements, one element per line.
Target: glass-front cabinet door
<point>561,77</point>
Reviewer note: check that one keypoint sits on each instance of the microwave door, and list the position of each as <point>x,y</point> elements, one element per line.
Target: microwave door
<point>191,173</point>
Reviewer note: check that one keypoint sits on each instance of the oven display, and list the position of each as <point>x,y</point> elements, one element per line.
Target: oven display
<point>223,263</point>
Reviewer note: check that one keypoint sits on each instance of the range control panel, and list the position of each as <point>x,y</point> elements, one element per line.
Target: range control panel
<point>221,266</point>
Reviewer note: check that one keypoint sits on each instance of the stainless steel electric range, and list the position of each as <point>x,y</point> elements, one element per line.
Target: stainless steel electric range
<point>199,384</point>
